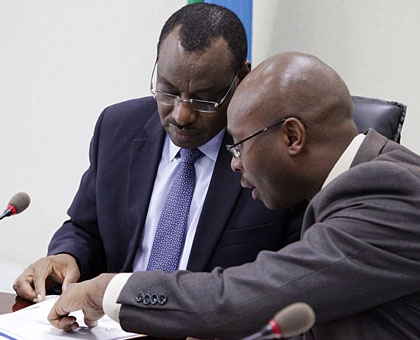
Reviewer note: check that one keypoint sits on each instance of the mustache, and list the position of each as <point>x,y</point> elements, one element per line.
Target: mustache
<point>173,123</point>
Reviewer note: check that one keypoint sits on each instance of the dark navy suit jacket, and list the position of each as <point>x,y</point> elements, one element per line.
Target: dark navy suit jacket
<point>108,213</point>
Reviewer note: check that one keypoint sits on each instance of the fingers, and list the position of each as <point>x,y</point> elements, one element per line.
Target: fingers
<point>61,268</point>
<point>66,323</point>
<point>31,283</point>
<point>42,271</point>
<point>67,270</point>
<point>91,323</point>
<point>23,285</point>
<point>77,296</point>
<point>72,276</point>
<point>59,313</point>
<point>69,323</point>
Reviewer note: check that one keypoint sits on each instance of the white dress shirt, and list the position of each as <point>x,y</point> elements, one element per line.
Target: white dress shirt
<point>345,160</point>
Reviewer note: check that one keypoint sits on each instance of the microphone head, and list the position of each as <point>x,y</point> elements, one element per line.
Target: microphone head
<point>20,201</point>
<point>295,319</point>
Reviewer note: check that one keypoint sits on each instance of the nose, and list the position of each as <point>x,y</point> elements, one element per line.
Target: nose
<point>183,114</point>
<point>236,164</point>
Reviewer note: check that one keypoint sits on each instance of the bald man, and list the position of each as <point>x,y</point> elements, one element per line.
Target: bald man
<point>358,261</point>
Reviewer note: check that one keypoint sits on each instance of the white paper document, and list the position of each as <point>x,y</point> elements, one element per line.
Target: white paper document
<point>31,323</point>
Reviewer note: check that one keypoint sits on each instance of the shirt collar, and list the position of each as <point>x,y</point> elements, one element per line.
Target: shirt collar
<point>344,162</point>
<point>210,149</point>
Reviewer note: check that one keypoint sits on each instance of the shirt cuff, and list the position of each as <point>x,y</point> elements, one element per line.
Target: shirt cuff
<point>113,290</point>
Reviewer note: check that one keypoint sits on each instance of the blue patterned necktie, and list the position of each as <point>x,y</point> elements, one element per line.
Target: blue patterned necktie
<point>170,232</point>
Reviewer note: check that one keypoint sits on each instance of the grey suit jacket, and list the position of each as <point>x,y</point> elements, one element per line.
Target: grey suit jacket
<point>357,264</point>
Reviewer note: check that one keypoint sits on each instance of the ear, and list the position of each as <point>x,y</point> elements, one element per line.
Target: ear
<point>295,133</point>
<point>244,70</point>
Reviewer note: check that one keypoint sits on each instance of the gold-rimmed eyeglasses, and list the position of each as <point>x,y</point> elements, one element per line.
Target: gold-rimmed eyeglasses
<point>168,99</point>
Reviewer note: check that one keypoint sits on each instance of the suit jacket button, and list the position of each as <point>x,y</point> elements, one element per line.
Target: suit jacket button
<point>154,299</point>
<point>139,297</point>
<point>146,299</point>
<point>163,299</point>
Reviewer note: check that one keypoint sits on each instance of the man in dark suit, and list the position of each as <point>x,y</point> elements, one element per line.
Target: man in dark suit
<point>134,159</point>
<point>358,261</point>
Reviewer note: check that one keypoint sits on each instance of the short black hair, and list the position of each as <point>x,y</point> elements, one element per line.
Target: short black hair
<point>201,22</point>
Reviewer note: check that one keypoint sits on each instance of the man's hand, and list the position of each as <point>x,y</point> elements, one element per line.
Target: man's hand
<point>87,296</point>
<point>50,271</point>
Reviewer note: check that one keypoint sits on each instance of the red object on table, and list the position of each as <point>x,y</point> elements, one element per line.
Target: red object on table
<point>10,302</point>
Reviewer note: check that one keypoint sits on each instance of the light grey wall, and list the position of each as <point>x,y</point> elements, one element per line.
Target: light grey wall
<point>61,63</point>
<point>373,44</point>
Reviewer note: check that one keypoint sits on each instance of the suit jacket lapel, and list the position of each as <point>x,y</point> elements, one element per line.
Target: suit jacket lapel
<point>221,197</point>
<point>370,148</point>
<point>144,161</point>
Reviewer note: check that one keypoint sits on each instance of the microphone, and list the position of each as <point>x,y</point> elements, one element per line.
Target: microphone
<point>292,320</point>
<point>17,204</point>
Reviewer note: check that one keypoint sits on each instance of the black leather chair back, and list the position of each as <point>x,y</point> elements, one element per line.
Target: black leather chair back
<point>384,116</point>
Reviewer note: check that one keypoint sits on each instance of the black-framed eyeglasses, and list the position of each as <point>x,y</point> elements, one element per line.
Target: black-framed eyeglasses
<point>168,99</point>
<point>234,148</point>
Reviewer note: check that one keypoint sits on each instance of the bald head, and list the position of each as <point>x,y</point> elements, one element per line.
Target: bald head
<point>298,85</point>
<point>318,126</point>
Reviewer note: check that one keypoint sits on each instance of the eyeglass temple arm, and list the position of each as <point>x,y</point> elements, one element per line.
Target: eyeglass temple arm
<point>151,78</point>
<point>281,121</point>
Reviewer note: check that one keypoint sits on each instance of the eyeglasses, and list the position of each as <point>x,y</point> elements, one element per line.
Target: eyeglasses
<point>168,99</point>
<point>234,148</point>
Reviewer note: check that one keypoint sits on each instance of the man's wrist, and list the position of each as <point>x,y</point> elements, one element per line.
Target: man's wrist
<point>112,291</point>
